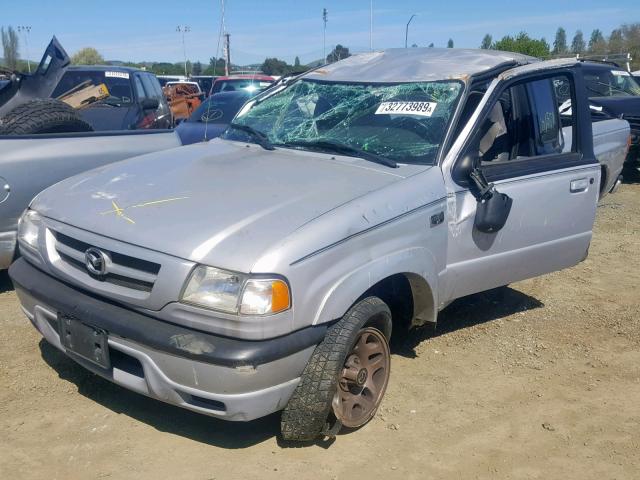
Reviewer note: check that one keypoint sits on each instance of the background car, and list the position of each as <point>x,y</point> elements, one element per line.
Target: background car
<point>212,117</point>
<point>205,82</point>
<point>254,83</point>
<point>183,98</point>
<point>134,101</point>
<point>615,93</point>
<point>164,79</point>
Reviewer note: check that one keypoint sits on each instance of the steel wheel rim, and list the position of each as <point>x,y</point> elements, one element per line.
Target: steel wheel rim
<point>363,379</point>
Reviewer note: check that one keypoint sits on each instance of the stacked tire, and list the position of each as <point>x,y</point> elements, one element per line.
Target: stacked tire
<point>42,116</point>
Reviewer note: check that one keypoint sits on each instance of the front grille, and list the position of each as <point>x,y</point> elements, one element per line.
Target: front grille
<point>122,270</point>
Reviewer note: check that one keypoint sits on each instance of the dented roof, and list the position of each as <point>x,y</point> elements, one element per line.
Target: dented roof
<point>416,64</point>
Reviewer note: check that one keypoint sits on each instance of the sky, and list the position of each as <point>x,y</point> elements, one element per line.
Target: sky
<point>145,30</point>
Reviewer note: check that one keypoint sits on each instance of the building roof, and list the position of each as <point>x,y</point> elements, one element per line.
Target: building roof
<point>417,64</point>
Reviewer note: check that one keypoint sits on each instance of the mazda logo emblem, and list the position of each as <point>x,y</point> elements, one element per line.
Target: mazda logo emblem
<point>96,261</point>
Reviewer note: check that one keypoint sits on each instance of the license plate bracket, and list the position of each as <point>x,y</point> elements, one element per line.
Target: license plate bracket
<point>83,340</point>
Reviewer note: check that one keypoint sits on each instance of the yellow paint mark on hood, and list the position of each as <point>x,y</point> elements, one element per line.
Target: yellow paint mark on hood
<point>120,211</point>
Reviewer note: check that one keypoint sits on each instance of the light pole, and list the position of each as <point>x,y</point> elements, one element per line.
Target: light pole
<point>184,29</point>
<point>371,25</point>
<point>26,29</point>
<point>406,31</point>
<point>324,35</point>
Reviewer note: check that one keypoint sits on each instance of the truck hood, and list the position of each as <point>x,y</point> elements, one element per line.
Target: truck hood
<point>627,106</point>
<point>220,203</point>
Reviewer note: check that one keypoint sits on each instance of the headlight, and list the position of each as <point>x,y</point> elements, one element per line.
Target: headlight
<point>213,288</point>
<point>28,228</point>
<point>230,292</point>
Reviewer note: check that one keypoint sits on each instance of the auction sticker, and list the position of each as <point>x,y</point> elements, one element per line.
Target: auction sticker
<point>423,109</point>
<point>620,73</point>
<point>116,74</point>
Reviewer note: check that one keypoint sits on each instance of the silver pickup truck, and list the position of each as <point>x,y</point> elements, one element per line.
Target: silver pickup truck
<point>267,270</point>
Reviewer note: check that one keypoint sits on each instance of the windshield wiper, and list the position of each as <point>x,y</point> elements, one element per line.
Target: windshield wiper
<point>342,149</point>
<point>260,138</point>
<point>608,86</point>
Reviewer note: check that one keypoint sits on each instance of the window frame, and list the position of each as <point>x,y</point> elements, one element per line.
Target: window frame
<point>530,165</point>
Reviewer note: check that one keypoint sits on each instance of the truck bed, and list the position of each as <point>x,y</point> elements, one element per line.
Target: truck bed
<point>610,146</point>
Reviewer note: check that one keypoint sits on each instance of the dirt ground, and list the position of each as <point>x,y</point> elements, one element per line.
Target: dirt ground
<point>537,380</point>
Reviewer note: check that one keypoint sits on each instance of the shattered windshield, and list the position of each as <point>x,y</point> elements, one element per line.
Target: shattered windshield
<point>611,83</point>
<point>405,122</point>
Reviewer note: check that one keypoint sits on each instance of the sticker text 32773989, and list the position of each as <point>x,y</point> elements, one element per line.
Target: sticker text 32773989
<point>423,109</point>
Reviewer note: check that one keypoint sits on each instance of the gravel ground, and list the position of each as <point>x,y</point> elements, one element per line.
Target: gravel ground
<point>540,379</point>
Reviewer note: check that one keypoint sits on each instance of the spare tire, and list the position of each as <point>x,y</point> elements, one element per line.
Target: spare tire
<point>45,115</point>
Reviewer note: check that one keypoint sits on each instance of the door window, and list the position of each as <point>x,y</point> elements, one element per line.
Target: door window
<point>524,122</point>
<point>148,87</point>
<point>139,88</point>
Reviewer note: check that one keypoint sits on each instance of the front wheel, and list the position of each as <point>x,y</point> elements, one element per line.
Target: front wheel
<point>346,377</point>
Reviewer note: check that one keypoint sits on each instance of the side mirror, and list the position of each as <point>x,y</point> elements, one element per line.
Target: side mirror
<point>493,207</point>
<point>150,104</point>
<point>492,213</point>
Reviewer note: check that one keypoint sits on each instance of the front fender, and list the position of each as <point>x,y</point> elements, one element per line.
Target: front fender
<point>417,263</point>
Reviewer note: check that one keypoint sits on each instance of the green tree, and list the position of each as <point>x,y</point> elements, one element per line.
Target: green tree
<point>275,66</point>
<point>631,34</point>
<point>450,43</point>
<point>216,66</point>
<point>524,44</point>
<point>487,40</point>
<point>560,43</point>
<point>338,53</point>
<point>87,56</point>
<point>196,69</point>
<point>296,62</point>
<point>10,47</point>
<point>616,41</point>
<point>166,68</point>
<point>578,45</point>
<point>597,43</point>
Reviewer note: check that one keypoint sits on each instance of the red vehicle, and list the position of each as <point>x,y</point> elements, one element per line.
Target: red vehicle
<point>251,83</point>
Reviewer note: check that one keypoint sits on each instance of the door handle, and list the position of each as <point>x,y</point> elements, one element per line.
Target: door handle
<point>579,185</point>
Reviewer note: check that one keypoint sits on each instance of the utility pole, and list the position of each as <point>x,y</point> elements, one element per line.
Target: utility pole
<point>26,29</point>
<point>227,53</point>
<point>184,29</point>
<point>371,25</point>
<point>406,31</point>
<point>324,35</point>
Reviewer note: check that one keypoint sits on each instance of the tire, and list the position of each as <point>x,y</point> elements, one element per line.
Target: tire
<point>306,414</point>
<point>42,116</point>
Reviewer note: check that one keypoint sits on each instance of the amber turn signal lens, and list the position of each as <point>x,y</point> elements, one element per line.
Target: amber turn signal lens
<point>280,298</point>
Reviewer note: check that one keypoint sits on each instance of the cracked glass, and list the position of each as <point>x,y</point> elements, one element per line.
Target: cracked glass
<point>405,122</point>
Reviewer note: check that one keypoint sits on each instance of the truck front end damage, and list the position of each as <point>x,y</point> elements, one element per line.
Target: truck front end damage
<point>222,377</point>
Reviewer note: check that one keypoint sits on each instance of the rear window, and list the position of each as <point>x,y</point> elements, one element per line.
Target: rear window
<point>248,84</point>
<point>219,108</point>
<point>118,83</point>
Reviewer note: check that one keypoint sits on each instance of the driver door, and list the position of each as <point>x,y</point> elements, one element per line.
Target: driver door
<point>517,141</point>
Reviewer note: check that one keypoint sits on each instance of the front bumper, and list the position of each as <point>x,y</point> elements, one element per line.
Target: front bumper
<point>218,376</point>
<point>7,249</point>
